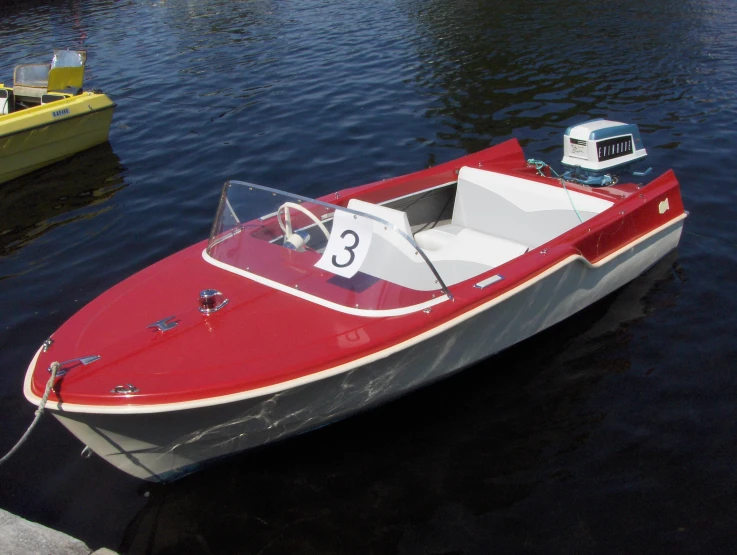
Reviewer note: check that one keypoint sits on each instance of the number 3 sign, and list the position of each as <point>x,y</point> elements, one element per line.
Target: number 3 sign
<point>348,246</point>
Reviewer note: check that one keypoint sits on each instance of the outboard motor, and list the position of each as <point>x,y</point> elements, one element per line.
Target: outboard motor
<point>596,152</point>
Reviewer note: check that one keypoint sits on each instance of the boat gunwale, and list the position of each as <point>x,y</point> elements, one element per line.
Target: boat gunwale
<point>102,109</point>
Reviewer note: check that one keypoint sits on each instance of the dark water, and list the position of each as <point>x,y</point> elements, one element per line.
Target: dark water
<point>611,433</point>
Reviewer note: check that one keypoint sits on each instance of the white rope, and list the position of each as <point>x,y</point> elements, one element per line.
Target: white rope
<point>39,412</point>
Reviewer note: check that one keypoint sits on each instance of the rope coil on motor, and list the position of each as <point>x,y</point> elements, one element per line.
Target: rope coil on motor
<point>39,412</point>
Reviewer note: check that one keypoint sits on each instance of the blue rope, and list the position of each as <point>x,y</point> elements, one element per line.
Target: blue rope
<point>539,165</point>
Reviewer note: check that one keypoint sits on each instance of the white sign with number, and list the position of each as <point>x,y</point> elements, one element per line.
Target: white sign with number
<point>348,246</point>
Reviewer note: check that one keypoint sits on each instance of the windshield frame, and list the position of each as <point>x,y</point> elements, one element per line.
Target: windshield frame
<point>238,224</point>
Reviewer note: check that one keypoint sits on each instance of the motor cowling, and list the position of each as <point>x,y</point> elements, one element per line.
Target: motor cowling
<point>597,151</point>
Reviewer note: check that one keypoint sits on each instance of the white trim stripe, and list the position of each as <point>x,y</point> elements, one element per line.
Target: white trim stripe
<point>319,300</point>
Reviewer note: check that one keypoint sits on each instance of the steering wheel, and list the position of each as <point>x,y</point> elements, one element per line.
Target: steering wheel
<point>286,225</point>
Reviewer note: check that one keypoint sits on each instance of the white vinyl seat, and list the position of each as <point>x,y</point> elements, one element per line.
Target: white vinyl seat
<point>394,217</point>
<point>391,257</point>
<point>452,242</point>
<point>437,238</point>
<point>457,253</point>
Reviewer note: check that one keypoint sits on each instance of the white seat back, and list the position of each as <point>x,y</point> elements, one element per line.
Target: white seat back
<point>395,217</point>
<point>391,257</point>
<point>521,210</point>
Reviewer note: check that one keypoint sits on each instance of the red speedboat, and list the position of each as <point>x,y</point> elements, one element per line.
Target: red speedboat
<point>297,312</point>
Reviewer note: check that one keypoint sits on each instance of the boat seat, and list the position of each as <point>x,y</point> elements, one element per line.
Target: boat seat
<point>457,243</point>
<point>395,217</point>
<point>518,209</point>
<point>391,257</point>
<point>457,253</point>
<point>66,70</point>
<point>437,237</point>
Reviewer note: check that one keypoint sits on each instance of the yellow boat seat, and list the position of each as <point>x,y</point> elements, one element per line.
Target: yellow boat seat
<point>66,70</point>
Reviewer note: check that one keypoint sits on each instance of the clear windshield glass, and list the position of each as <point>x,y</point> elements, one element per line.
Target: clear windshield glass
<point>69,58</point>
<point>342,256</point>
<point>31,75</point>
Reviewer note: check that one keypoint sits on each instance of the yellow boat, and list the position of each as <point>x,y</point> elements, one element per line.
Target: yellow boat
<point>46,116</point>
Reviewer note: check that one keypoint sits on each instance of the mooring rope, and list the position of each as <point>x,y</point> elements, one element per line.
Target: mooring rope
<point>39,412</point>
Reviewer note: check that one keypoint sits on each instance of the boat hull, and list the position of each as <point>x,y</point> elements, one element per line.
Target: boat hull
<point>36,137</point>
<point>161,446</point>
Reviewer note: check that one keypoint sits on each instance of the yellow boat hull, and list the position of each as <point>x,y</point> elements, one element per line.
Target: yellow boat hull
<point>36,137</point>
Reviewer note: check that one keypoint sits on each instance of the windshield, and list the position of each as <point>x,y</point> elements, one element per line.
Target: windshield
<point>348,258</point>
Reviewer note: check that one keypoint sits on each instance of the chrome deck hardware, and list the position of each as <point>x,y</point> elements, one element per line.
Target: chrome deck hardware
<point>488,281</point>
<point>211,300</point>
<point>68,365</point>
<point>164,324</point>
<point>126,389</point>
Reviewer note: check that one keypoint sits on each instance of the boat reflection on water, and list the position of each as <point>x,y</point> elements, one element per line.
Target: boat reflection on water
<point>36,203</point>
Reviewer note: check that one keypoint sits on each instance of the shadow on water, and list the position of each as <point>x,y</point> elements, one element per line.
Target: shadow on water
<point>434,472</point>
<point>59,194</point>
